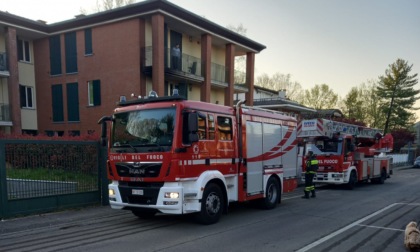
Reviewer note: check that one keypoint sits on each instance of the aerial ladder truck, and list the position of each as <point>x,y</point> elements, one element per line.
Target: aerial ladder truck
<point>346,153</point>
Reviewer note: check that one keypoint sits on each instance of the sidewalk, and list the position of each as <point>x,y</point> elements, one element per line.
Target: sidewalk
<point>63,218</point>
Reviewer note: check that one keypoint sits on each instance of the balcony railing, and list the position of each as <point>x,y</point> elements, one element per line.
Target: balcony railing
<point>3,61</point>
<point>185,63</point>
<point>5,112</point>
<point>191,65</point>
<point>218,72</point>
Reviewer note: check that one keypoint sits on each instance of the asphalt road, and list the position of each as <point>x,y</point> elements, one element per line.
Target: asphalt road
<point>369,218</point>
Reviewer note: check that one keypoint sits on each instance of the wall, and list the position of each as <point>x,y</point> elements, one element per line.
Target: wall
<point>27,78</point>
<point>115,62</point>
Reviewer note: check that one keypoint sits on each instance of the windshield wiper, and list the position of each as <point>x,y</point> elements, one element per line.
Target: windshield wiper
<point>159,148</point>
<point>127,145</point>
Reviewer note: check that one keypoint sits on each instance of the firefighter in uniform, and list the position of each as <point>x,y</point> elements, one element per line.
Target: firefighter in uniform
<point>311,168</point>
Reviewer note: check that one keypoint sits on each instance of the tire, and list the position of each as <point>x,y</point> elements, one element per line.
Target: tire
<point>144,213</point>
<point>382,179</point>
<point>273,194</point>
<point>352,180</point>
<point>212,205</point>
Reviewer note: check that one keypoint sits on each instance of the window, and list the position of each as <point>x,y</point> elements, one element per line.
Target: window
<point>23,50</point>
<point>205,126</point>
<point>211,127</point>
<point>30,132</point>
<point>55,55</point>
<point>71,52</point>
<point>73,133</point>
<point>202,127</point>
<point>73,102</point>
<point>26,96</point>
<point>224,126</point>
<point>88,42</point>
<point>57,103</point>
<point>94,93</point>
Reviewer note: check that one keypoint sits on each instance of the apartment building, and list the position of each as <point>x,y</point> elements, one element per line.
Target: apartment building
<point>18,101</point>
<point>84,65</point>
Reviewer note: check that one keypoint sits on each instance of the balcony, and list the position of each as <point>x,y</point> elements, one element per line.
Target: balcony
<point>5,118</point>
<point>186,66</point>
<point>4,70</point>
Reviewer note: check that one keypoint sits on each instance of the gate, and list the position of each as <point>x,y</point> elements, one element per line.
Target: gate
<point>39,176</point>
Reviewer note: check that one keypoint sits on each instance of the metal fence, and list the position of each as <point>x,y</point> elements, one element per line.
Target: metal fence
<point>399,160</point>
<point>39,175</point>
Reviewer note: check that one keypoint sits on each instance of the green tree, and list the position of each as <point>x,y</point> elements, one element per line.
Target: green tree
<point>280,81</point>
<point>354,106</point>
<point>320,97</point>
<point>375,117</point>
<point>396,88</point>
<point>363,104</point>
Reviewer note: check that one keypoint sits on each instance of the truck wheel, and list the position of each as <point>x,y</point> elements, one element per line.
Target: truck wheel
<point>144,213</point>
<point>212,205</point>
<point>352,180</point>
<point>272,195</point>
<point>382,179</point>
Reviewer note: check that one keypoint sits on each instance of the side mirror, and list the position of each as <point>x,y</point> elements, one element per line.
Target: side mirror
<point>103,121</point>
<point>193,127</point>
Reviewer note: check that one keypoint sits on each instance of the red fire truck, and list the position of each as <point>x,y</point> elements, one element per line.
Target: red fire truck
<point>177,156</point>
<point>346,153</point>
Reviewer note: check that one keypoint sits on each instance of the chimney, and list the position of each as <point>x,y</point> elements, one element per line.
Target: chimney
<point>282,94</point>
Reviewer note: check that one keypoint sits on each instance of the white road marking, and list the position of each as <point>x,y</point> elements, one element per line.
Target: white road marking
<point>332,235</point>
<point>393,229</point>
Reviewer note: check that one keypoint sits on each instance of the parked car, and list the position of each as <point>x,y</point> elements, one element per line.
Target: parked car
<point>417,162</point>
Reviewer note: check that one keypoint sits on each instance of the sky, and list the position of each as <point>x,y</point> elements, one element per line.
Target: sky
<point>342,43</point>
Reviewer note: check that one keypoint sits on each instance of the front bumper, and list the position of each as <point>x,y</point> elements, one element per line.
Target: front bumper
<point>329,178</point>
<point>126,197</point>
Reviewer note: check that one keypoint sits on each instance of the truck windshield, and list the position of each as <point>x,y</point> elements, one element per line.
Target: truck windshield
<point>143,130</point>
<point>325,146</point>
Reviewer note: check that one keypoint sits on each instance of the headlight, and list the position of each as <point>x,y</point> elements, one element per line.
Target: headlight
<point>172,195</point>
<point>111,192</point>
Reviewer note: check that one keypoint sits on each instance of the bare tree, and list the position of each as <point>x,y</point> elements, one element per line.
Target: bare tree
<point>105,5</point>
<point>240,61</point>
<point>279,81</point>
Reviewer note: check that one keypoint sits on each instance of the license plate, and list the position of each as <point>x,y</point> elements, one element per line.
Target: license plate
<point>137,192</point>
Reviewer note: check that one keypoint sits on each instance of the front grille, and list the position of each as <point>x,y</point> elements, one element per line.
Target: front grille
<point>138,170</point>
<point>149,197</point>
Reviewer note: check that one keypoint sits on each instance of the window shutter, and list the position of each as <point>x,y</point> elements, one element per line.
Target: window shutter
<point>22,96</point>
<point>88,41</point>
<point>96,92</point>
<point>29,97</point>
<point>57,103</point>
<point>73,102</point>
<point>27,56</point>
<point>20,49</point>
<point>71,52</point>
<point>55,55</point>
